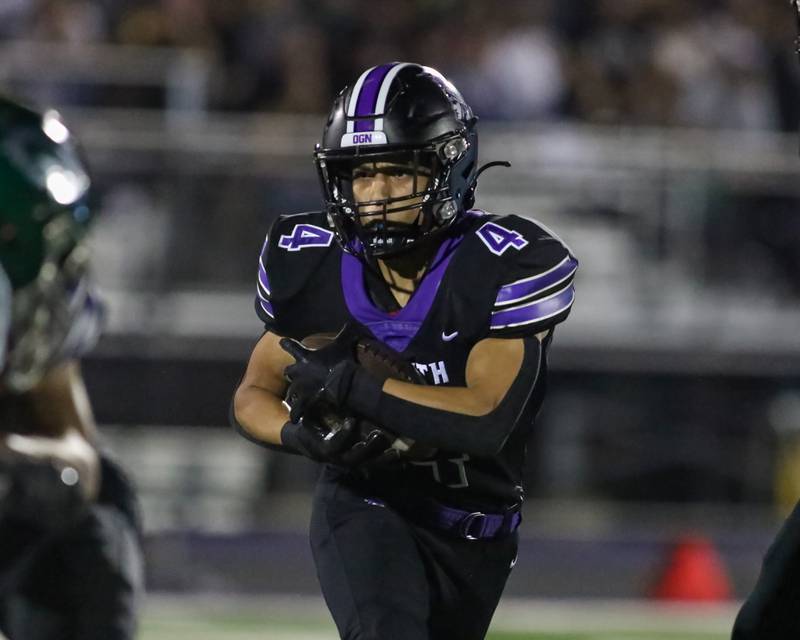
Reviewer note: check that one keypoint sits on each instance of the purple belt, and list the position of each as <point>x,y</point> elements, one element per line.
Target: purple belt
<point>470,525</point>
<point>473,525</point>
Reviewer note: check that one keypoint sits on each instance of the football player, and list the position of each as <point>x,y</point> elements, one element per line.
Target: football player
<point>420,547</point>
<point>70,562</point>
<point>770,611</point>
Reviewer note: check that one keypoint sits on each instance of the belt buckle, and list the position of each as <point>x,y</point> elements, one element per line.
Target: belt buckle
<point>466,525</point>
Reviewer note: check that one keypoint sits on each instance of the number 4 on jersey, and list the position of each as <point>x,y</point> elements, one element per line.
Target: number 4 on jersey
<point>304,236</point>
<point>498,238</point>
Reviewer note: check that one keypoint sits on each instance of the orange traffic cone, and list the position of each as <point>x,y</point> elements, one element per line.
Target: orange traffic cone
<point>694,572</point>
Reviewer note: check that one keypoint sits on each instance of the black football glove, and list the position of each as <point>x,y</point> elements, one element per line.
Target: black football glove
<point>313,379</point>
<point>370,448</point>
<point>320,444</point>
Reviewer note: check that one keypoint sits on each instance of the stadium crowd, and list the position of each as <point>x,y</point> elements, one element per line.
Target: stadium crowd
<point>696,63</point>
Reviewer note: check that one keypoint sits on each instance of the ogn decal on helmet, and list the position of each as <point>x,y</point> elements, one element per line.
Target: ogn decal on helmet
<point>368,137</point>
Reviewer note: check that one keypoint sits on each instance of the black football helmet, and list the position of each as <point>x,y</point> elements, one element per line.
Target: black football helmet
<point>407,118</point>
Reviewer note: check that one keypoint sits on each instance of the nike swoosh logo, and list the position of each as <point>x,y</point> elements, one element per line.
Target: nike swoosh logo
<point>447,337</point>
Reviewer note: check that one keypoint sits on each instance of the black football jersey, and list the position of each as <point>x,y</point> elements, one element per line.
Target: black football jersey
<point>498,277</point>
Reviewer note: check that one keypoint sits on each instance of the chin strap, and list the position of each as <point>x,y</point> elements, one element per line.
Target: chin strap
<point>469,198</point>
<point>506,163</point>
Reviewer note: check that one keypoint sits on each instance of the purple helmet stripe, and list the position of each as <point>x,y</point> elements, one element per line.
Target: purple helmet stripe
<point>534,311</point>
<point>522,289</point>
<point>368,96</point>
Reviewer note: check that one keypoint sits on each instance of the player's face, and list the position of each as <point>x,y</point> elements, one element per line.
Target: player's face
<point>381,180</point>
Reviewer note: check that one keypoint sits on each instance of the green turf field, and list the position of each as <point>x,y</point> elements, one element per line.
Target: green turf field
<point>290,618</point>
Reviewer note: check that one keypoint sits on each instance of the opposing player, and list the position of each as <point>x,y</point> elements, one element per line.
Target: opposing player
<point>419,547</point>
<point>70,562</point>
<point>770,611</point>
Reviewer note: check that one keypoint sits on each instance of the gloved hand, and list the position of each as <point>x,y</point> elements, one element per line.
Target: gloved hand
<point>312,380</point>
<point>370,446</point>
<point>319,444</point>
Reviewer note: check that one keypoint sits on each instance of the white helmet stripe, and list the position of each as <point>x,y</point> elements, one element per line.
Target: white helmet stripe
<point>384,92</point>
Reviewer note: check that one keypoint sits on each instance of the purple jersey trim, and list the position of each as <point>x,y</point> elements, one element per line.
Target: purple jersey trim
<point>267,307</point>
<point>260,292</point>
<point>368,97</point>
<point>398,330</point>
<point>263,280</point>
<point>527,287</point>
<point>534,311</point>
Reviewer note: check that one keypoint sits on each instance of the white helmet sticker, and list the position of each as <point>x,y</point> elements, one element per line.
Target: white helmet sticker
<point>363,137</point>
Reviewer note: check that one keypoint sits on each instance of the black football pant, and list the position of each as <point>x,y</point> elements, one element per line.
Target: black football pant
<point>82,583</point>
<point>772,611</point>
<point>385,578</point>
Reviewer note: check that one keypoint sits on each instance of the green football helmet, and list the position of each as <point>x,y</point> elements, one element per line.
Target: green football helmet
<point>44,217</point>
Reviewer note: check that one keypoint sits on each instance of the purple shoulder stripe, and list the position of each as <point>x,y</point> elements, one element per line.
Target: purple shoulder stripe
<point>263,281</point>
<point>535,311</point>
<point>519,290</point>
<point>267,307</point>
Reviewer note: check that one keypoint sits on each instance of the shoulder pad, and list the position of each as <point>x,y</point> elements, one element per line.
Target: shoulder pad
<point>293,250</point>
<point>535,288</point>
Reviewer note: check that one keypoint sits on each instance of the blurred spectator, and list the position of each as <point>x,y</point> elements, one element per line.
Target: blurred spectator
<point>77,22</point>
<point>706,63</point>
<point>720,66</point>
<point>520,68</point>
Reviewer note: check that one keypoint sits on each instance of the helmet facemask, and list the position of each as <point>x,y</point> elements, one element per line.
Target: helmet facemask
<point>391,225</point>
<point>44,311</point>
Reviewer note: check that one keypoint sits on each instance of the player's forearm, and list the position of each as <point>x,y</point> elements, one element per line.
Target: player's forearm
<point>259,414</point>
<point>464,400</point>
<point>480,434</point>
<point>477,435</point>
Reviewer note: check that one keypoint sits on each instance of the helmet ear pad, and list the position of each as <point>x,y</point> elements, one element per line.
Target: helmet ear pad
<point>460,175</point>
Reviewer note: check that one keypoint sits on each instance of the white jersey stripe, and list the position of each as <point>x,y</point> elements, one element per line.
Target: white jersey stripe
<point>539,319</point>
<point>527,288</point>
<point>533,302</point>
<point>529,313</point>
<point>538,275</point>
<point>267,308</point>
<point>262,293</point>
